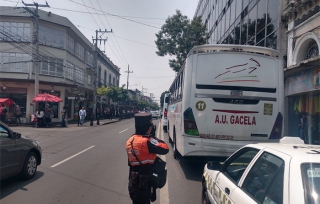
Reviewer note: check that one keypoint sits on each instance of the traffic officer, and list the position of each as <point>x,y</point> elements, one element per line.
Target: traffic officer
<point>142,149</point>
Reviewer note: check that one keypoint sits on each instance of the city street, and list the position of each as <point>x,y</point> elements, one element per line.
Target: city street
<point>89,165</point>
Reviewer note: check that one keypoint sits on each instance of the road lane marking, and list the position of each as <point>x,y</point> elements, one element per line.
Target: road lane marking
<point>164,192</point>
<point>123,130</point>
<point>71,157</point>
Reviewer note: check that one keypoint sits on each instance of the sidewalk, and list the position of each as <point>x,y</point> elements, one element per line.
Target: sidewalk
<point>71,123</point>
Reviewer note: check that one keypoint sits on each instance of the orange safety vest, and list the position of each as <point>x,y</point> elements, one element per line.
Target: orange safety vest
<point>140,149</point>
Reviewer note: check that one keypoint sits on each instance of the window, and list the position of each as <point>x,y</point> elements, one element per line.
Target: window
<point>51,37</point>
<point>78,75</point>
<point>70,45</point>
<point>264,182</point>
<point>69,70</point>
<point>109,79</point>
<point>273,7</point>
<point>237,164</point>
<point>113,81</point>
<point>14,62</point>
<point>99,77</point>
<point>89,58</point>
<point>15,31</point>
<point>52,66</point>
<point>312,50</point>
<point>105,78</point>
<point>89,80</point>
<point>79,51</point>
<point>311,182</point>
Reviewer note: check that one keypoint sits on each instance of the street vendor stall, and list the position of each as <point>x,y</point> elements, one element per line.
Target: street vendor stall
<point>9,104</point>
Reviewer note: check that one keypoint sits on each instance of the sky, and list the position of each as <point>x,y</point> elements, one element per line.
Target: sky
<point>131,43</point>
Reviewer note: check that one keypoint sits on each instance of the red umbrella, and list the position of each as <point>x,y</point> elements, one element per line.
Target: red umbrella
<point>46,98</point>
<point>6,101</point>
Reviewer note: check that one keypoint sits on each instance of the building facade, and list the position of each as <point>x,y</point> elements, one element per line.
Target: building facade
<point>302,74</point>
<point>65,61</point>
<point>244,22</point>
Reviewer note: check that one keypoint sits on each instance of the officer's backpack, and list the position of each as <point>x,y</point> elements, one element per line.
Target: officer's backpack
<point>158,173</point>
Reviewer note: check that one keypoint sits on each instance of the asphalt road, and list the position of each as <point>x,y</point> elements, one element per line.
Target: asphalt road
<point>89,165</point>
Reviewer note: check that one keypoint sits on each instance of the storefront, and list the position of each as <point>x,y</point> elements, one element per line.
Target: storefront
<point>18,95</point>
<point>53,107</point>
<point>303,98</point>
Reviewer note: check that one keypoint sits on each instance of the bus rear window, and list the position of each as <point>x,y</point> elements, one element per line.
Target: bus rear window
<point>166,100</point>
<point>311,182</point>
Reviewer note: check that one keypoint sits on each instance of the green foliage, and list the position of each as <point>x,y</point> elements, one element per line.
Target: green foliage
<point>117,94</point>
<point>154,106</point>
<point>178,36</point>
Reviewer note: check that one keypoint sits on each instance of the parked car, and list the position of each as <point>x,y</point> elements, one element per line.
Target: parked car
<point>18,154</point>
<point>271,173</point>
<point>155,114</point>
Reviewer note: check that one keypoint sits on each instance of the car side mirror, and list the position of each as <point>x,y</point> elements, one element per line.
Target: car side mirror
<point>16,135</point>
<point>214,165</point>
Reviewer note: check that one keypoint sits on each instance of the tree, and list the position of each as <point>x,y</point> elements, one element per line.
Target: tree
<point>178,36</point>
<point>154,106</point>
<point>117,94</point>
<point>162,98</point>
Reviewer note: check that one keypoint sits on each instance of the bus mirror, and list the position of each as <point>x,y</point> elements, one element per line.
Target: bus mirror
<point>214,165</point>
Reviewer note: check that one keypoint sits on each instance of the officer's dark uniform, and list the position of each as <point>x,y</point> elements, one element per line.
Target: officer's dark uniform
<point>142,149</point>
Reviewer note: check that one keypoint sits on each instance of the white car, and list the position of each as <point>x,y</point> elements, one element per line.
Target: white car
<point>155,114</point>
<point>268,173</point>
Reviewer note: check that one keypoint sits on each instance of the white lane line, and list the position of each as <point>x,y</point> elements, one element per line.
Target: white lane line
<point>123,130</point>
<point>71,157</point>
<point>164,192</point>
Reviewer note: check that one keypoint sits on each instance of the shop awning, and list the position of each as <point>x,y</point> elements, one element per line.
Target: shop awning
<point>6,101</point>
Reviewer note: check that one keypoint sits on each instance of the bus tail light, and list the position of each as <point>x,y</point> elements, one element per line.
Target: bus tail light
<point>277,127</point>
<point>165,114</point>
<point>190,125</point>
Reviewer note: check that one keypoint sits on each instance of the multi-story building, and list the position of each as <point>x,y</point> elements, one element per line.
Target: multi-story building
<point>65,61</point>
<point>302,74</point>
<point>245,22</point>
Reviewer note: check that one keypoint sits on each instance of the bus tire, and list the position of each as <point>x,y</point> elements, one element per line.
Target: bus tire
<point>165,129</point>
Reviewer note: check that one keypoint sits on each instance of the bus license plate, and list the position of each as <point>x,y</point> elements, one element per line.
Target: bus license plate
<point>236,93</point>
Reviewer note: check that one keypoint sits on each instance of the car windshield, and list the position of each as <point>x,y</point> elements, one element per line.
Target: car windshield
<point>311,182</point>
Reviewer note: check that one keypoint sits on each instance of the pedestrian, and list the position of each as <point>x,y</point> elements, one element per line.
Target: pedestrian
<point>82,115</point>
<point>40,117</point>
<point>112,112</point>
<point>3,113</point>
<point>18,114</point>
<point>142,149</point>
<point>108,114</point>
<point>105,113</point>
<point>63,116</point>
<point>302,126</point>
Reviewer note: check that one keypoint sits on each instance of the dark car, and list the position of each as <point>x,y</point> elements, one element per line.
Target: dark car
<point>18,154</point>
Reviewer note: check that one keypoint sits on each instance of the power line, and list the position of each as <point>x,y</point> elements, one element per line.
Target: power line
<point>120,37</point>
<point>113,34</point>
<point>111,39</point>
<point>117,16</point>
<point>91,14</point>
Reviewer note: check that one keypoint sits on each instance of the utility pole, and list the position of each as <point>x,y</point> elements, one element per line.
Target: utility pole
<point>128,76</point>
<point>36,43</point>
<point>95,41</point>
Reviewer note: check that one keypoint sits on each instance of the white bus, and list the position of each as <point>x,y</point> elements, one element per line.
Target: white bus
<point>225,97</point>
